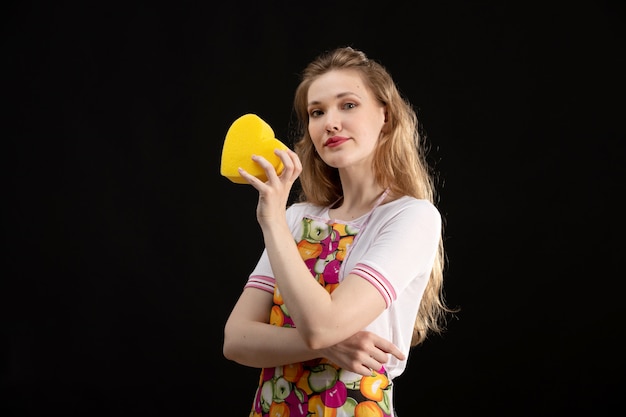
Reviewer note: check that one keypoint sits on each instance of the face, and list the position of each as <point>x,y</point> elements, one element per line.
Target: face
<point>345,119</point>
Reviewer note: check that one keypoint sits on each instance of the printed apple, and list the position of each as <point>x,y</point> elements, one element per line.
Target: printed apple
<point>351,229</point>
<point>372,386</point>
<point>279,409</point>
<point>297,402</point>
<point>347,409</point>
<point>335,396</point>
<point>340,228</point>
<point>315,230</point>
<point>277,317</point>
<point>368,409</point>
<point>385,404</point>
<point>293,372</point>
<point>329,244</point>
<point>310,263</point>
<point>342,248</point>
<point>331,272</point>
<point>267,395</point>
<point>351,379</point>
<point>282,389</point>
<point>322,377</point>
<point>317,408</point>
<point>320,265</point>
<point>308,249</point>
<point>278,298</point>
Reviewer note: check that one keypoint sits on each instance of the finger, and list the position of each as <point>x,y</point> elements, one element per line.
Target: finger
<point>268,168</point>
<point>251,179</point>
<point>365,371</point>
<point>375,366</point>
<point>261,161</point>
<point>397,353</point>
<point>296,162</point>
<point>387,347</point>
<point>380,357</point>
<point>291,162</point>
<point>287,163</point>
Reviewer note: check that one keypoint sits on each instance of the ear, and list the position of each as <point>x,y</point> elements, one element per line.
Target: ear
<point>386,124</point>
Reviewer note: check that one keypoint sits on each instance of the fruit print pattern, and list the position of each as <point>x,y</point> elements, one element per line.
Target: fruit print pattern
<point>319,388</point>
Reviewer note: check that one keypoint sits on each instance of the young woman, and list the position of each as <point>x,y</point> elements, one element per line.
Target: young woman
<point>351,276</point>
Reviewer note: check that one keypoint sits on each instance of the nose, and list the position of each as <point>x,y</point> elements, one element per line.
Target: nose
<point>333,122</point>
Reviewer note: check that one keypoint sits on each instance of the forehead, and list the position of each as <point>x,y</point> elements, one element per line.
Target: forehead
<point>335,83</point>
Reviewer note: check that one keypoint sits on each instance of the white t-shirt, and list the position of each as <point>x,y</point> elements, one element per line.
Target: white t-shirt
<point>394,250</point>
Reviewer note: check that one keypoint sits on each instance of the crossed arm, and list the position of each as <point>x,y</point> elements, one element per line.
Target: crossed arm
<point>328,324</point>
<point>250,340</point>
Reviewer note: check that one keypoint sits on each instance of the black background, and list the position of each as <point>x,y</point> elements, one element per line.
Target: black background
<point>125,249</point>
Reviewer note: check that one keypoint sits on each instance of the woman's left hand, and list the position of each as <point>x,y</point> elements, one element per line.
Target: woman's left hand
<point>362,352</point>
<point>274,193</point>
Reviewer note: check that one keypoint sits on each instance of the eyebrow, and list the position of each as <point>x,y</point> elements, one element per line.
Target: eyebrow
<point>340,95</point>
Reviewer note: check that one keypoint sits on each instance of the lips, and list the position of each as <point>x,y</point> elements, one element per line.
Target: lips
<point>335,141</point>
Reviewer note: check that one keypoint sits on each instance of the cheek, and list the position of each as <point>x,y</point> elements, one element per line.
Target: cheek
<point>378,127</point>
<point>316,132</point>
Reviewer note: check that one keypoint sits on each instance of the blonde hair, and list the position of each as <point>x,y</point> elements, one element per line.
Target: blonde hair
<point>399,163</point>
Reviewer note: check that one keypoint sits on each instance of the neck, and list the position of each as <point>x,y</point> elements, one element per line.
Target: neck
<point>356,202</point>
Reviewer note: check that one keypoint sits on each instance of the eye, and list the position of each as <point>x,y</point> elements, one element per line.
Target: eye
<point>349,105</point>
<point>315,113</point>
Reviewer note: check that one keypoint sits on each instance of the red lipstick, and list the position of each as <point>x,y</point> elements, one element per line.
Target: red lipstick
<point>335,141</point>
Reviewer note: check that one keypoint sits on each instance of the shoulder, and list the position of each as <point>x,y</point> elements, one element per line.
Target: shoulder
<point>407,215</point>
<point>410,206</point>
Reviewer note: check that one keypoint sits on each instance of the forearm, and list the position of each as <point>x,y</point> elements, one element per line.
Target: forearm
<point>309,304</point>
<point>262,345</point>
<point>320,320</point>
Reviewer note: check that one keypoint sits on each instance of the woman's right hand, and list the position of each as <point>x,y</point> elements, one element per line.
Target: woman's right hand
<point>274,193</point>
<point>362,352</point>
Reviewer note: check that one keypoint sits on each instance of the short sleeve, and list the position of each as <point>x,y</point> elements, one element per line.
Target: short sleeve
<point>398,246</point>
<point>262,276</point>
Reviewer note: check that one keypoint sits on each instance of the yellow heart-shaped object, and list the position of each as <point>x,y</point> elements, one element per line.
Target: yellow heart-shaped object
<point>249,135</point>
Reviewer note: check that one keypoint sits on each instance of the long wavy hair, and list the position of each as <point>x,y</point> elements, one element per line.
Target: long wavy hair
<point>399,163</point>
